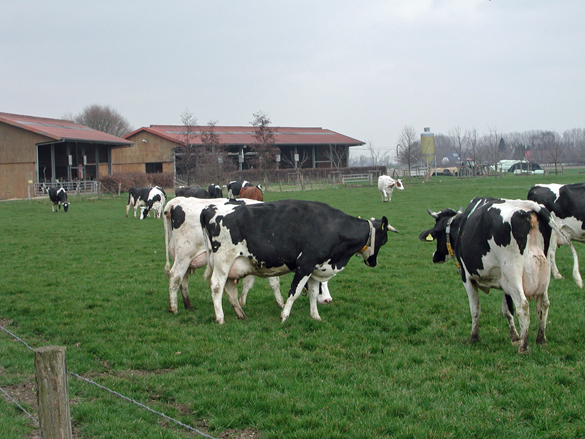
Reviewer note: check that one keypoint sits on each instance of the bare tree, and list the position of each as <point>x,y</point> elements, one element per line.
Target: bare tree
<point>377,157</point>
<point>408,150</point>
<point>297,165</point>
<point>337,156</point>
<point>265,144</point>
<point>459,140</point>
<point>215,163</point>
<point>492,146</point>
<point>188,154</point>
<point>102,118</point>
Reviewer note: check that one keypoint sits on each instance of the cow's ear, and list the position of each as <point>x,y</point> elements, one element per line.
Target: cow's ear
<point>427,235</point>
<point>384,223</point>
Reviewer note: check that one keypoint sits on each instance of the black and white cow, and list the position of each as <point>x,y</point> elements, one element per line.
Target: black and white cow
<point>184,243</point>
<point>234,187</point>
<point>137,197</point>
<point>192,191</point>
<point>155,201</point>
<point>309,238</point>
<point>567,204</point>
<point>501,244</point>
<point>215,191</point>
<point>58,198</point>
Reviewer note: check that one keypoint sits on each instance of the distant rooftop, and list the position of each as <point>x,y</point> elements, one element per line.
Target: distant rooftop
<point>59,129</point>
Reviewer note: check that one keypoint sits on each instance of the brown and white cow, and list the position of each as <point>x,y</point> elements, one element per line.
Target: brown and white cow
<point>386,186</point>
<point>251,193</point>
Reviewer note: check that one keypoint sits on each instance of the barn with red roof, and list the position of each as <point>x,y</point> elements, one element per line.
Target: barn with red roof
<point>36,150</point>
<point>155,147</point>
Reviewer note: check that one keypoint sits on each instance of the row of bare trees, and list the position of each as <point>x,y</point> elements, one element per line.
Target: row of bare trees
<point>203,157</point>
<point>535,146</point>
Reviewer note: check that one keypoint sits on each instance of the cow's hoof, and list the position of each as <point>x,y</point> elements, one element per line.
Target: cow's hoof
<point>173,311</point>
<point>221,322</point>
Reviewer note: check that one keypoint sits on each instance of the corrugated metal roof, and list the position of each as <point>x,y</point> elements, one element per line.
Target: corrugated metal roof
<point>244,135</point>
<point>59,129</point>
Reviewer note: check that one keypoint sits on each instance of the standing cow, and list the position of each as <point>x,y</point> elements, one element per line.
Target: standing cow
<point>184,243</point>
<point>155,201</point>
<point>311,239</point>
<point>386,186</point>
<point>566,202</point>
<point>501,244</point>
<point>137,197</point>
<point>215,191</point>
<point>58,198</point>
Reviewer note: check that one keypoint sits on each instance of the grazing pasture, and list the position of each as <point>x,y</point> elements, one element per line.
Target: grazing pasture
<point>389,359</point>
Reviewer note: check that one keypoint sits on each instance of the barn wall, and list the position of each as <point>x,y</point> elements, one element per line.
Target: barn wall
<point>15,179</point>
<point>18,157</point>
<point>155,149</point>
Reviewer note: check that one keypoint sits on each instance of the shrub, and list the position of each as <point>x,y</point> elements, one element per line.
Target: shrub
<point>126,180</point>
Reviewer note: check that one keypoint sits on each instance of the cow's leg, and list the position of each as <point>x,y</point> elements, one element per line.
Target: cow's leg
<point>275,285</point>
<point>313,287</point>
<point>523,311</point>
<point>508,311</point>
<point>231,290</point>
<point>552,256</point>
<point>217,284</point>
<point>247,284</point>
<point>177,277</point>
<point>185,291</point>
<point>296,288</point>
<point>542,305</point>
<point>474,307</point>
<point>127,209</point>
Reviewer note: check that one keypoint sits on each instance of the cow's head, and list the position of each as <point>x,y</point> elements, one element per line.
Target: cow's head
<point>65,206</point>
<point>399,185</point>
<point>377,238</point>
<point>443,219</point>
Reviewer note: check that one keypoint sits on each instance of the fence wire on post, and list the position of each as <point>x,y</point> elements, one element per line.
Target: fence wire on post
<point>187,427</point>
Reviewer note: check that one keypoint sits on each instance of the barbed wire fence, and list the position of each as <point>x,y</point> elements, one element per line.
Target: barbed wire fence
<point>113,392</point>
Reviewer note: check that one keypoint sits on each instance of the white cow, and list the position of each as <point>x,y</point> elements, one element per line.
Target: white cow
<point>386,185</point>
<point>184,242</point>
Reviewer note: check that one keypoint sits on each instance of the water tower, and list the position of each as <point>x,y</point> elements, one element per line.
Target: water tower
<point>427,145</point>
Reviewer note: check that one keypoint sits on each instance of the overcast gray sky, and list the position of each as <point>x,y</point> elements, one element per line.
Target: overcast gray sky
<point>363,68</point>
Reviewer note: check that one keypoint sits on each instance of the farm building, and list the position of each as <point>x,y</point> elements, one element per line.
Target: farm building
<point>154,147</point>
<point>38,150</point>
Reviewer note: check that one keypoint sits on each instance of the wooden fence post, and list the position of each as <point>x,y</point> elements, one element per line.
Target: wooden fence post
<point>52,392</point>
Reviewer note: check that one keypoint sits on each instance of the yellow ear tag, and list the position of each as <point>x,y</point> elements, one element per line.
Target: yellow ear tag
<point>383,226</point>
<point>363,249</point>
<point>430,237</point>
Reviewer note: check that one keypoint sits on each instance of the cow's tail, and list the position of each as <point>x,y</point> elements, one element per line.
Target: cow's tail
<point>545,213</point>
<point>167,224</point>
<point>207,240</point>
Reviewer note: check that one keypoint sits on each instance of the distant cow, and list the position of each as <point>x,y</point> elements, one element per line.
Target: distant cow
<point>156,202</point>
<point>567,204</point>
<point>215,191</point>
<point>137,197</point>
<point>184,242</point>
<point>192,191</point>
<point>58,198</point>
<point>501,244</point>
<point>251,193</point>
<point>311,239</point>
<point>386,186</point>
<point>234,187</point>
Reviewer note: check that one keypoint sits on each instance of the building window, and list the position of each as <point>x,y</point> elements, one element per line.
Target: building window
<point>153,168</point>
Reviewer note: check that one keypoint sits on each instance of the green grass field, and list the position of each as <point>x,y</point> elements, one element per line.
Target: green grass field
<point>389,359</point>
